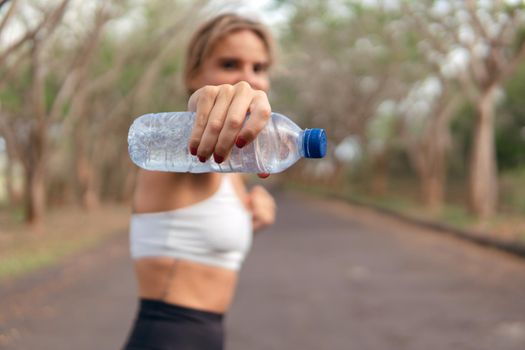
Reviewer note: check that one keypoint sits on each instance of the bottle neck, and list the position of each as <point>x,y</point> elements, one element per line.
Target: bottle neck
<point>300,144</point>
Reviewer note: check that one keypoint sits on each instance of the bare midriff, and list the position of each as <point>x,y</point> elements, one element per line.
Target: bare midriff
<point>176,281</point>
<point>186,283</point>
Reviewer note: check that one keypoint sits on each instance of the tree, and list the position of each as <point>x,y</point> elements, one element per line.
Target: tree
<point>71,85</point>
<point>343,63</point>
<point>485,35</point>
<point>31,147</point>
<point>427,134</point>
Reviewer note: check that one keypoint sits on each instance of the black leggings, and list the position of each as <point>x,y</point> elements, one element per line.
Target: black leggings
<point>163,326</point>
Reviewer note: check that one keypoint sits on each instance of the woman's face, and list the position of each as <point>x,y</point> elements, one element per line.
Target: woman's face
<point>240,56</point>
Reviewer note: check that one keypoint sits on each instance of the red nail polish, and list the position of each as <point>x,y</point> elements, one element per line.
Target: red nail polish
<point>218,159</point>
<point>202,159</point>
<point>193,151</point>
<point>240,142</point>
<point>263,175</point>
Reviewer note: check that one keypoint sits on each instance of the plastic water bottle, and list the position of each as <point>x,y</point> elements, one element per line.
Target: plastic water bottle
<point>160,142</point>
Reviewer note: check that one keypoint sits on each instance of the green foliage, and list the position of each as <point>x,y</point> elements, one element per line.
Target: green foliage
<point>12,95</point>
<point>10,98</point>
<point>512,190</point>
<point>172,67</point>
<point>520,38</point>
<point>106,55</point>
<point>462,133</point>
<point>510,124</point>
<point>411,41</point>
<point>510,9</point>
<point>51,87</point>
<point>510,148</point>
<point>457,216</point>
<point>129,76</point>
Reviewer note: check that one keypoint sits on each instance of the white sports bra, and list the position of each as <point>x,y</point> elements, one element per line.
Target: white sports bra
<point>216,231</point>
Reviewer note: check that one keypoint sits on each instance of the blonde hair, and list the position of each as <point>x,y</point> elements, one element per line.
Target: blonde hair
<point>206,37</point>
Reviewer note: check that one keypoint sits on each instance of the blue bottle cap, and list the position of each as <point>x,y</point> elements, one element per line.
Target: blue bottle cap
<point>314,143</point>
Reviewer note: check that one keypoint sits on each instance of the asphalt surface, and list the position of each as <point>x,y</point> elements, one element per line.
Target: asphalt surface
<point>326,276</point>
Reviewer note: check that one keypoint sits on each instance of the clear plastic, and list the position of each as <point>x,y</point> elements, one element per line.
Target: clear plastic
<point>160,142</point>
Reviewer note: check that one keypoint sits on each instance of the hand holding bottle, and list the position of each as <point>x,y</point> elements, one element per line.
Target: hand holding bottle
<point>220,115</point>
<point>215,123</point>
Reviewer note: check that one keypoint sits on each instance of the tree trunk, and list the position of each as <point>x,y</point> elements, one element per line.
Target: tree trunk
<point>14,197</point>
<point>433,165</point>
<point>433,184</point>
<point>380,174</point>
<point>431,171</point>
<point>35,163</point>
<point>35,194</point>
<point>483,173</point>
<point>85,172</point>
<point>83,176</point>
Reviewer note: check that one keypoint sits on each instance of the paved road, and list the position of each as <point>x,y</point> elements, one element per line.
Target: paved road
<point>327,276</point>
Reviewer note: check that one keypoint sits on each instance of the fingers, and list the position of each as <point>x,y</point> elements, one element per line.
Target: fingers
<point>260,112</point>
<point>192,102</point>
<point>234,119</point>
<point>215,123</point>
<point>220,115</point>
<point>201,102</point>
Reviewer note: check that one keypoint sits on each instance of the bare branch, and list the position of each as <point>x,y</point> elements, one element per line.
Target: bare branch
<point>498,42</point>
<point>55,17</point>
<point>84,56</point>
<point>511,23</point>
<point>8,14</point>
<point>478,27</point>
<point>149,75</point>
<point>469,86</point>
<point>64,93</point>
<point>13,69</point>
<point>50,21</point>
<point>512,65</point>
<point>3,2</point>
<point>436,43</point>
<point>110,76</point>
<point>28,36</point>
<point>37,84</point>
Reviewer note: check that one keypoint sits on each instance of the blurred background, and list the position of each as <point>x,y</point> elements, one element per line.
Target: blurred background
<point>422,100</point>
<point>423,103</point>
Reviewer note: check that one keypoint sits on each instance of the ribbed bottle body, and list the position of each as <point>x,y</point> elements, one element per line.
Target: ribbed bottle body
<point>160,142</point>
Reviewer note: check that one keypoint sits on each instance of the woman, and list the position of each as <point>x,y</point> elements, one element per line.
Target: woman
<point>190,232</point>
